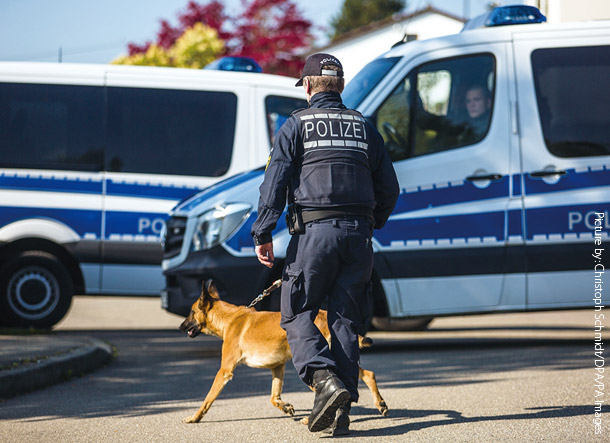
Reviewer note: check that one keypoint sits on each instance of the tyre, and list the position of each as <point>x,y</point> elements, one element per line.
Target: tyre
<point>35,290</point>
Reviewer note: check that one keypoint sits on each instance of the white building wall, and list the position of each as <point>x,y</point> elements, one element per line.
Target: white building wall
<point>357,52</point>
<point>560,11</point>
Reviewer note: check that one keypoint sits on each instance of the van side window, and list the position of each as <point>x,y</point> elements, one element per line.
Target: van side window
<point>278,109</point>
<point>51,126</point>
<point>393,121</point>
<point>163,131</point>
<point>358,88</point>
<point>572,91</point>
<point>449,107</point>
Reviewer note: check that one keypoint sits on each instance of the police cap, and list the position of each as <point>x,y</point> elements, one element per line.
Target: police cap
<point>314,63</point>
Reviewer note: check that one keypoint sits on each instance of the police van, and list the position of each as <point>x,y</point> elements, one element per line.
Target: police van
<point>94,157</point>
<point>499,137</point>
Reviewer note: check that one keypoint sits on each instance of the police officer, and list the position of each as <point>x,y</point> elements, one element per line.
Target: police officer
<point>340,183</point>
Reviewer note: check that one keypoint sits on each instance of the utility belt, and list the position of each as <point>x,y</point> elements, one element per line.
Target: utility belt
<point>296,217</point>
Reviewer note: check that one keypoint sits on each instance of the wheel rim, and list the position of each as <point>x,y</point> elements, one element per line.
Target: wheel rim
<point>33,292</point>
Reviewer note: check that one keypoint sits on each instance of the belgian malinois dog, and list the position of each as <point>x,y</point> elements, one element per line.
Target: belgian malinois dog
<point>255,339</point>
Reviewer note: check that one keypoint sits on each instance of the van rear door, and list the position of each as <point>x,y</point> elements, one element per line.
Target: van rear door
<point>563,90</point>
<point>167,139</point>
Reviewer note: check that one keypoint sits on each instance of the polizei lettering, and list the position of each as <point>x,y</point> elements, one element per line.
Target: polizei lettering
<point>337,131</point>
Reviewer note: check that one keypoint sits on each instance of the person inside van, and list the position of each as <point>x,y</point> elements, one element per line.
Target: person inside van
<point>456,122</point>
<point>478,106</point>
<point>468,127</point>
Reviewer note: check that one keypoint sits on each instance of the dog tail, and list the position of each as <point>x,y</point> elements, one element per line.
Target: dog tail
<point>364,342</point>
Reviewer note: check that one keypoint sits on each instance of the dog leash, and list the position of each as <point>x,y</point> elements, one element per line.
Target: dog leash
<point>276,284</point>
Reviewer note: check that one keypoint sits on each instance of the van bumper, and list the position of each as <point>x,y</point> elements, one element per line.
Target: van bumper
<point>238,279</point>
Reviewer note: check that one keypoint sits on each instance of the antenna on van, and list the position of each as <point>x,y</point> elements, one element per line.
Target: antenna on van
<point>59,56</point>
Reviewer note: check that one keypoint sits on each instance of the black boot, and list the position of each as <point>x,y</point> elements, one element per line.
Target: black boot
<point>330,396</point>
<point>341,424</point>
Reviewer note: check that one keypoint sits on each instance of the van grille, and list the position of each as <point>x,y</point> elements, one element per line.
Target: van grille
<point>174,236</point>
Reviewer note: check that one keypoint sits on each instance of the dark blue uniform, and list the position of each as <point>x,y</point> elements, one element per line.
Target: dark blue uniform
<point>331,162</point>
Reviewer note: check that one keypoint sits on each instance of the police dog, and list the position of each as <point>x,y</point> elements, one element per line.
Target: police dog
<point>255,339</point>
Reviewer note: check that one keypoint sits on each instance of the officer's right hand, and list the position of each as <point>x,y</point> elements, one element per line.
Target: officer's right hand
<point>264,253</point>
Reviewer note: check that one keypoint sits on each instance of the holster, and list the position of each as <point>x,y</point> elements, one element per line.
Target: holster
<point>294,219</point>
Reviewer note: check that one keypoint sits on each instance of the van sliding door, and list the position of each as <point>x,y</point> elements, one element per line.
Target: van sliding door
<point>164,144</point>
<point>445,243</point>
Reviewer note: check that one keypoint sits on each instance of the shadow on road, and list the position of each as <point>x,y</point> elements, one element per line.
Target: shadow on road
<point>454,417</point>
<point>158,372</point>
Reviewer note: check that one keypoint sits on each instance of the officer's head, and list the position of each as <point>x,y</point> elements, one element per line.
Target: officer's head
<point>322,73</point>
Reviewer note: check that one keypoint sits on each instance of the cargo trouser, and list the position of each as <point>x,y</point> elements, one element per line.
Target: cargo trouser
<point>332,260</point>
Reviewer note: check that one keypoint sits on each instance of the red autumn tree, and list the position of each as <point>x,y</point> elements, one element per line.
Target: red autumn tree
<point>211,14</point>
<point>272,32</point>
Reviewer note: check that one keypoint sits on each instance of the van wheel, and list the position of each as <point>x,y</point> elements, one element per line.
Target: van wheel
<point>401,324</point>
<point>36,290</point>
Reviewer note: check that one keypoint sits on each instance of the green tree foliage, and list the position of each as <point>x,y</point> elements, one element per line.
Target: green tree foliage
<point>357,13</point>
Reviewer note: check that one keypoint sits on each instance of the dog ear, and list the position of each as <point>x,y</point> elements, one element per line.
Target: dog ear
<point>203,296</point>
<point>211,289</point>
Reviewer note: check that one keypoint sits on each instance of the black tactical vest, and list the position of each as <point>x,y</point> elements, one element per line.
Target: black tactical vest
<point>333,167</point>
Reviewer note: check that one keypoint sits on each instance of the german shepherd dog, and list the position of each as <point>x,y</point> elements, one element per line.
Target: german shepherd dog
<point>255,339</point>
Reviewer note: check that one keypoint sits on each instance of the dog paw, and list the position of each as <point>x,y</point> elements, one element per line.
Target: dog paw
<point>304,421</point>
<point>288,409</point>
<point>383,408</point>
<point>191,419</point>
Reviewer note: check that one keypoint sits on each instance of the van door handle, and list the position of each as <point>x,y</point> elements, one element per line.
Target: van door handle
<point>492,177</point>
<point>540,174</point>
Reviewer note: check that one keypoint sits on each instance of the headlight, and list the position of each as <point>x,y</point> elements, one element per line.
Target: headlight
<point>218,224</point>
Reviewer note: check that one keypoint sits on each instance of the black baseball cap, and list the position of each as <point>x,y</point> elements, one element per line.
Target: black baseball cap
<point>314,63</point>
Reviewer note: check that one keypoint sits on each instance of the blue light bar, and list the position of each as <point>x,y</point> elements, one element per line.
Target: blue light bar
<point>243,64</point>
<point>506,15</point>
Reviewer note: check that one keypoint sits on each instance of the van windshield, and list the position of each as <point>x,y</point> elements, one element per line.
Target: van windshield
<point>364,82</point>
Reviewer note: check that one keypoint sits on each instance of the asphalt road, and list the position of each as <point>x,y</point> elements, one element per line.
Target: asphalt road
<point>502,378</point>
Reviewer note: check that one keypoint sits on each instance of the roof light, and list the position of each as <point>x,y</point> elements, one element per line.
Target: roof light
<point>244,64</point>
<point>506,15</point>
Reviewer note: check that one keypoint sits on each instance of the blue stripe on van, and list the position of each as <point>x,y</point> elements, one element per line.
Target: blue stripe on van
<point>243,239</point>
<point>516,184</point>
<point>218,188</point>
<point>134,223</point>
<point>80,220</point>
<point>149,191</point>
<point>489,224</point>
<point>50,184</point>
<point>556,220</point>
<point>458,226</point>
<point>515,222</point>
<point>90,221</point>
<point>572,180</point>
<point>440,196</point>
<point>66,184</point>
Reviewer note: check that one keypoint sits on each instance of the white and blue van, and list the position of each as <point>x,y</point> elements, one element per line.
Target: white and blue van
<point>92,159</point>
<point>499,214</point>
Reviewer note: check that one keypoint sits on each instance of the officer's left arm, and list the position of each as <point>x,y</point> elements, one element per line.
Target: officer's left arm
<point>384,181</point>
<point>280,170</point>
